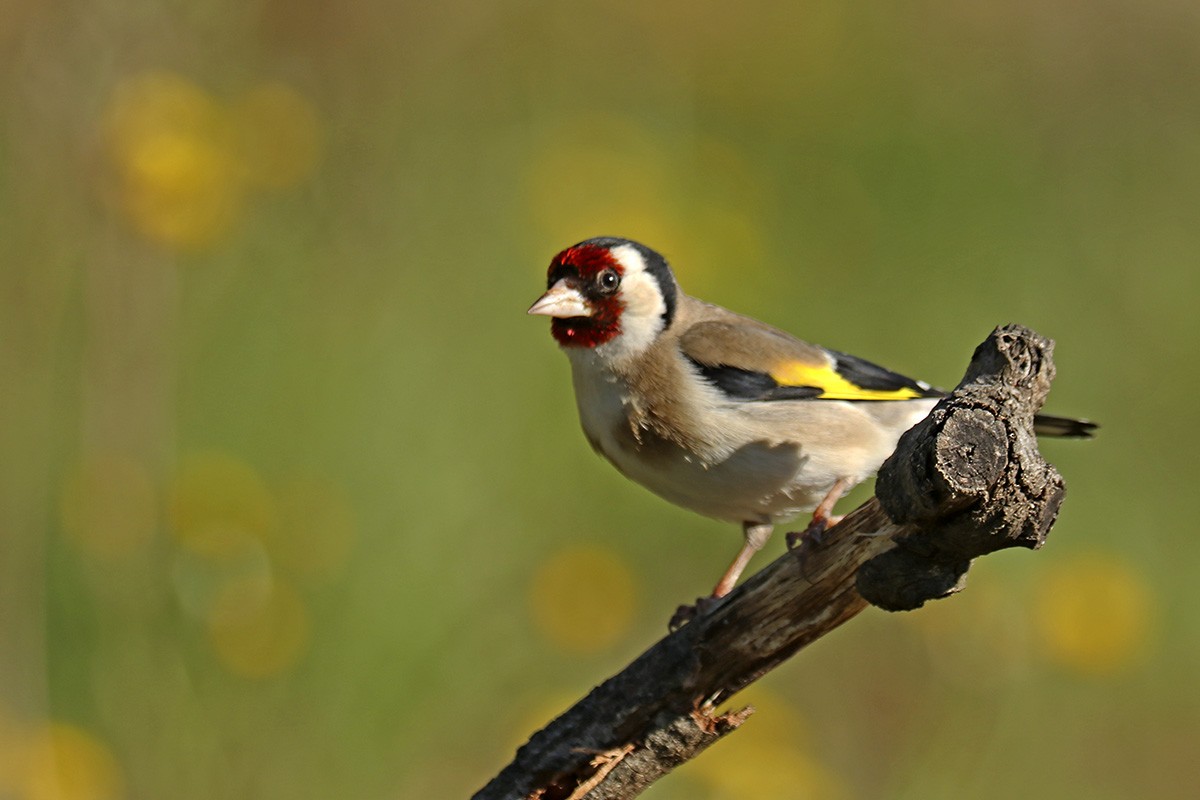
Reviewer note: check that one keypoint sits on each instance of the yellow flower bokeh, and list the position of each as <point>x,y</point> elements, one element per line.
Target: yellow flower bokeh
<point>258,634</point>
<point>582,598</point>
<point>172,147</point>
<point>601,176</point>
<point>65,762</point>
<point>183,161</point>
<point>1094,614</point>
<point>701,205</point>
<point>768,756</point>
<point>244,548</point>
<point>216,502</point>
<point>198,578</point>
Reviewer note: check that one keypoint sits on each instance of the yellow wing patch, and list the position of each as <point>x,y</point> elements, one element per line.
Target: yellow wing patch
<point>832,385</point>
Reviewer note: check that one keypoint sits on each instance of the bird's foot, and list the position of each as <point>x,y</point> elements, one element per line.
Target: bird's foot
<point>686,613</point>
<point>812,538</point>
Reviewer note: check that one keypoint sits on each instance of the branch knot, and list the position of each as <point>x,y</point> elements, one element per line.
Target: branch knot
<point>970,475</point>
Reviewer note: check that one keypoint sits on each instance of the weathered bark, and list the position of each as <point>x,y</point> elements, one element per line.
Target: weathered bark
<point>967,481</point>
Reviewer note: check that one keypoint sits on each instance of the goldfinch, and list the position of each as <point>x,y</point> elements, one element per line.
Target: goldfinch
<point>717,412</point>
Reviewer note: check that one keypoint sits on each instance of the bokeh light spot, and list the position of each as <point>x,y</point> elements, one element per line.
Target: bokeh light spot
<point>198,579</point>
<point>146,105</point>
<point>108,506</point>
<point>171,146</point>
<point>1094,614</point>
<point>216,501</point>
<point>257,634</point>
<point>180,190</point>
<point>582,598</point>
<point>601,176</point>
<point>767,757</point>
<point>65,762</point>
<point>278,135</point>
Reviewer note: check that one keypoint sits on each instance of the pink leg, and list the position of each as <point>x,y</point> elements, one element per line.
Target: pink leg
<point>756,535</point>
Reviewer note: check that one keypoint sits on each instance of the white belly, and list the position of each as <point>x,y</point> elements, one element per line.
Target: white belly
<point>738,479</point>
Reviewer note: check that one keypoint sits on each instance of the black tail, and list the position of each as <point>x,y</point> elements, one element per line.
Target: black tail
<point>1044,425</point>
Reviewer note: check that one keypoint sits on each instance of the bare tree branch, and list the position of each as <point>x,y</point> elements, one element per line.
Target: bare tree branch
<point>966,481</point>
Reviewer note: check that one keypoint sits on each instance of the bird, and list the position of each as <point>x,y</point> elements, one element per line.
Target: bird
<point>718,412</point>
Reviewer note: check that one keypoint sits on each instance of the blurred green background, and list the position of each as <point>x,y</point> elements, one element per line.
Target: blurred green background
<point>293,501</point>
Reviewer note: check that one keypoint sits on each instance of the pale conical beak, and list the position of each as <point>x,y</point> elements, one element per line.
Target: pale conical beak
<point>561,301</point>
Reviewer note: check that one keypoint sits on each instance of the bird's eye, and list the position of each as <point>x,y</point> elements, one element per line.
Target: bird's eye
<point>608,280</point>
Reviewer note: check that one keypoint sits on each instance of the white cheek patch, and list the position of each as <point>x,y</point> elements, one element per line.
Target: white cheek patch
<point>630,259</point>
<point>644,307</point>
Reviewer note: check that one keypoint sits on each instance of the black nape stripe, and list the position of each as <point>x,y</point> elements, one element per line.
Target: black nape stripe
<point>656,265</point>
<point>745,384</point>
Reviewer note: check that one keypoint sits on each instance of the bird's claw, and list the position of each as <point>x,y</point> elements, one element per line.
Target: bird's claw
<point>811,538</point>
<point>686,613</point>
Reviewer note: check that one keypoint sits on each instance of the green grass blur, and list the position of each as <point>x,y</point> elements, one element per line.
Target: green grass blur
<point>293,501</point>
